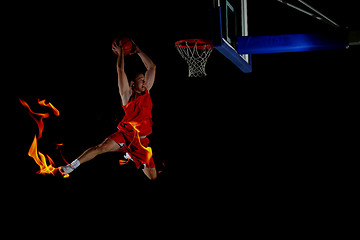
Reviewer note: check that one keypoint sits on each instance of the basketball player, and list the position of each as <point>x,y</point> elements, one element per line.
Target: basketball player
<point>137,105</point>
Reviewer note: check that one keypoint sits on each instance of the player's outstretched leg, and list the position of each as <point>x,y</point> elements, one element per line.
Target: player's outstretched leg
<point>108,145</point>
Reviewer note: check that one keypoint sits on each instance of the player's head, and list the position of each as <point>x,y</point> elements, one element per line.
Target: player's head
<point>138,84</point>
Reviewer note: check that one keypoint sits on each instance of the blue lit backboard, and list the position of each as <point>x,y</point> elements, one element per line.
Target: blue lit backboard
<point>229,21</point>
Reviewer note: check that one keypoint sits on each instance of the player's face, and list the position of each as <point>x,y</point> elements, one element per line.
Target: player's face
<point>139,84</point>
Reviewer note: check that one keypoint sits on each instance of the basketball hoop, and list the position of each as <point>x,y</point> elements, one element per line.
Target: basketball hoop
<point>196,53</point>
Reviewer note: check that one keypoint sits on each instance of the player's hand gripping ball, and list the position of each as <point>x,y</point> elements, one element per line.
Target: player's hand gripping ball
<point>125,43</point>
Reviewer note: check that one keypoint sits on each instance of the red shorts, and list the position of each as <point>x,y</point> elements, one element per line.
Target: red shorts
<point>139,151</point>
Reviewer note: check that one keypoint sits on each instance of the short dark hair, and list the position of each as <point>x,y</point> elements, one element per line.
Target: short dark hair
<point>132,76</point>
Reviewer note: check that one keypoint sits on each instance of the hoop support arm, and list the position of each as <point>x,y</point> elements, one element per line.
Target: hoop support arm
<point>290,43</point>
<point>322,17</point>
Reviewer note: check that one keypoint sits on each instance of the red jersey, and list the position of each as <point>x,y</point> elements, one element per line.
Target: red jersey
<point>138,111</point>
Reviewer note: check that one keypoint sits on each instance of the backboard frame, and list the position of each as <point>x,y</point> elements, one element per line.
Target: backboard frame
<point>223,16</point>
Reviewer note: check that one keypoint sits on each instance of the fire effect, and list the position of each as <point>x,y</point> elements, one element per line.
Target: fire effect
<point>123,162</point>
<point>137,138</point>
<point>148,149</point>
<point>40,121</point>
<point>45,163</point>
<point>41,160</point>
<point>56,112</point>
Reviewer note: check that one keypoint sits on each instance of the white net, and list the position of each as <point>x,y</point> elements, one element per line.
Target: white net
<point>196,53</point>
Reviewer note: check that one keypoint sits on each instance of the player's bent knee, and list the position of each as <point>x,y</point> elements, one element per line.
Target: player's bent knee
<point>150,173</point>
<point>153,177</point>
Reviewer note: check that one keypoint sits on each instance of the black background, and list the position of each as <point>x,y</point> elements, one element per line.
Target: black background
<point>272,136</point>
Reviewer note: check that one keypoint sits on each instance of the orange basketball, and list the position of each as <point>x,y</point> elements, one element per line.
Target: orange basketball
<point>125,43</point>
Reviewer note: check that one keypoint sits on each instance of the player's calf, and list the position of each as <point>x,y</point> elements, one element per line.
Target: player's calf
<point>108,145</point>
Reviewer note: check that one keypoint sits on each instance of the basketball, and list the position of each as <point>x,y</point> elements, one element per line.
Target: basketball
<point>125,43</point>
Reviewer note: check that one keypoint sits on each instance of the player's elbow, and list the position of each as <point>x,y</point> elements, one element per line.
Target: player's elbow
<point>120,70</point>
<point>152,67</point>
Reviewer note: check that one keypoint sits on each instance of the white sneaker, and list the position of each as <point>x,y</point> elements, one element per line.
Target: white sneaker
<point>66,169</point>
<point>70,167</point>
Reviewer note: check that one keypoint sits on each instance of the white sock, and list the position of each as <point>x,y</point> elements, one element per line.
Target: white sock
<point>74,164</point>
<point>70,167</point>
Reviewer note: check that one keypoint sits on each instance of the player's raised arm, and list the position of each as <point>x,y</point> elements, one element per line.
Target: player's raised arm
<point>150,67</point>
<point>124,88</point>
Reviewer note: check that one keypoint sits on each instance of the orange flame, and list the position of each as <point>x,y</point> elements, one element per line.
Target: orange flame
<point>123,162</point>
<point>41,160</point>
<point>148,149</point>
<point>46,164</point>
<point>137,137</point>
<point>39,122</point>
<point>42,102</point>
<point>64,175</point>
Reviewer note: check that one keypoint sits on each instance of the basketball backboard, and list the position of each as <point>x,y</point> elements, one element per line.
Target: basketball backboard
<point>229,21</point>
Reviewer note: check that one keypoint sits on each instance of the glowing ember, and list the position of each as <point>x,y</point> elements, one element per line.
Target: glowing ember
<point>123,162</point>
